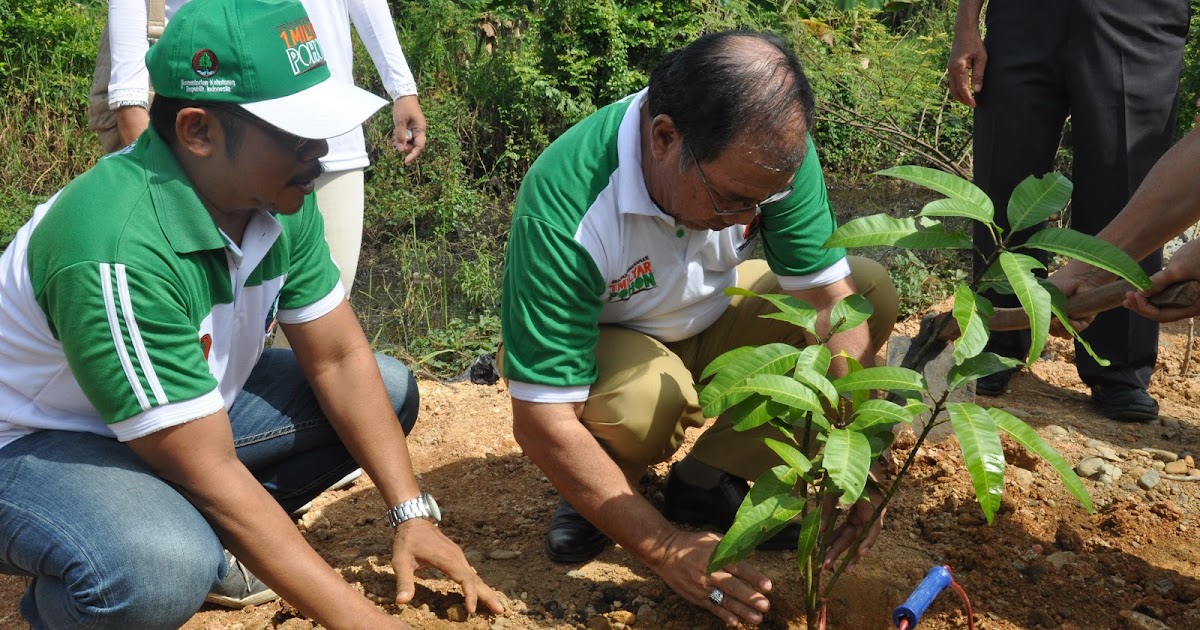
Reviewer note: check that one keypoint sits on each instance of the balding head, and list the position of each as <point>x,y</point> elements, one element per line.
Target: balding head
<point>736,86</point>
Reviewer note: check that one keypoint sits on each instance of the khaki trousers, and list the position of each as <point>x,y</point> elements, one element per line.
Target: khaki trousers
<point>645,398</point>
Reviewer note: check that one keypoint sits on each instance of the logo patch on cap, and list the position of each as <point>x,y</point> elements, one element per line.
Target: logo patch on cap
<point>300,41</point>
<point>205,64</point>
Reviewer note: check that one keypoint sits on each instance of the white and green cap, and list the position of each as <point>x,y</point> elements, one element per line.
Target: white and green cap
<point>262,55</point>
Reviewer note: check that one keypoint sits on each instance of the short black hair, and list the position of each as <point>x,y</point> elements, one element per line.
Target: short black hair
<point>715,90</point>
<point>165,109</point>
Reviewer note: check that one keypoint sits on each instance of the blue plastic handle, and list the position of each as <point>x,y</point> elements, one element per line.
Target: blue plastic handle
<point>911,610</point>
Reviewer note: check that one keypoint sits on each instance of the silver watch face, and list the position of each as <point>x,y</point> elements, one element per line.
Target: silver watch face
<point>434,510</point>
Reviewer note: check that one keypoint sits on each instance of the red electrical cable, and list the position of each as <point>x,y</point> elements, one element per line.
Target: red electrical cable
<point>966,602</point>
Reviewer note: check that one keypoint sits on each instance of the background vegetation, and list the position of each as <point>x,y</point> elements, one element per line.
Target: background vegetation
<point>500,79</point>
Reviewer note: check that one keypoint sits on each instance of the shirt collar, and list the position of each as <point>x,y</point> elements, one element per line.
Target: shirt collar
<point>632,195</point>
<point>184,219</point>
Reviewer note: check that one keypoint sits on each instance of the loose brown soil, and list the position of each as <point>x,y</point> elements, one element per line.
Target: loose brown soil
<point>1043,563</point>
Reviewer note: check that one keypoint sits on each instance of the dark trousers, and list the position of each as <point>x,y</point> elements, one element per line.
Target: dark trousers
<point>1113,66</point>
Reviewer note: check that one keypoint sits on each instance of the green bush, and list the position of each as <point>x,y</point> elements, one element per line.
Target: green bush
<point>47,53</point>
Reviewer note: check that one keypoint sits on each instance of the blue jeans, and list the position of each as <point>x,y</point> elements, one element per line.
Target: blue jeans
<point>109,544</point>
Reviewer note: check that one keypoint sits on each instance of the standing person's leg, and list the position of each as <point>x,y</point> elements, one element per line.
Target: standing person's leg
<point>1018,125</point>
<point>282,435</point>
<point>106,543</point>
<point>1124,78</point>
<point>340,200</point>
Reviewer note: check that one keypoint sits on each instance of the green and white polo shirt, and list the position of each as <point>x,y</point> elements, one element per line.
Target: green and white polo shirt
<point>588,246</point>
<point>125,310</point>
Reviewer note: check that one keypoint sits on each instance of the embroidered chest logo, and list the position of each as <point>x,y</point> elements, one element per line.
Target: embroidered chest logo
<point>639,277</point>
<point>303,53</point>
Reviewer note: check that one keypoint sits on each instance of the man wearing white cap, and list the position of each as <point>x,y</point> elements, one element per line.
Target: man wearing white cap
<point>147,438</point>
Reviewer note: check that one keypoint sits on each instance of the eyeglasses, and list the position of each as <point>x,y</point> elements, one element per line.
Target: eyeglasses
<point>294,143</point>
<point>757,207</point>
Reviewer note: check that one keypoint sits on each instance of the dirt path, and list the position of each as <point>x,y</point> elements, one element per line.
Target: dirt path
<point>1043,563</point>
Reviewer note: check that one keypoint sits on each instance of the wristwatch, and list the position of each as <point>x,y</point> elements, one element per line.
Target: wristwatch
<point>421,506</point>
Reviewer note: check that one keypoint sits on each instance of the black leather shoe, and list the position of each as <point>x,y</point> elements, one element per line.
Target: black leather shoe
<point>1125,403</point>
<point>571,538</point>
<point>994,384</point>
<point>715,508</point>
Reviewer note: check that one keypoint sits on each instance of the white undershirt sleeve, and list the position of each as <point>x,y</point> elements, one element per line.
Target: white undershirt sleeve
<point>373,21</point>
<point>129,82</point>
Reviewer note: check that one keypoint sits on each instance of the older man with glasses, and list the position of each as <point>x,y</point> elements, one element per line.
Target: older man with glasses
<point>627,231</point>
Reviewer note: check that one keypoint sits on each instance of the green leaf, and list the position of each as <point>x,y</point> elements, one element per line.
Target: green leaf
<point>753,410</point>
<point>818,383</point>
<point>771,358</point>
<point>957,208</point>
<point>783,390</point>
<point>936,237</point>
<point>1035,199</point>
<point>873,230</point>
<point>993,280</point>
<point>877,414</point>
<point>818,419</point>
<point>972,324</point>
<point>1034,298</point>
<point>815,358</point>
<point>723,360</point>
<point>1091,250</point>
<point>916,407</point>
<point>857,396</point>
<point>885,378</point>
<point>982,452</point>
<point>952,186</point>
<point>850,313</point>
<point>1027,437</point>
<point>977,367</point>
<point>810,528</point>
<point>847,459</point>
<point>767,508</point>
<point>790,456</point>
<point>794,311</point>
<point>884,230</point>
<point>1058,305</point>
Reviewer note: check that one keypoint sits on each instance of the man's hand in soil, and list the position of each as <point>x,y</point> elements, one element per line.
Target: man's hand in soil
<point>857,519</point>
<point>683,565</point>
<point>418,544</point>
<point>1184,266</point>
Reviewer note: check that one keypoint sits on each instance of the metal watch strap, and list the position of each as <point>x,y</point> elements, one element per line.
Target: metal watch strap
<point>420,506</point>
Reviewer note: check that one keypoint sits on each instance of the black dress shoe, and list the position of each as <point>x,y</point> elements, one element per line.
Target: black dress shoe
<point>571,538</point>
<point>1126,403</point>
<point>716,507</point>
